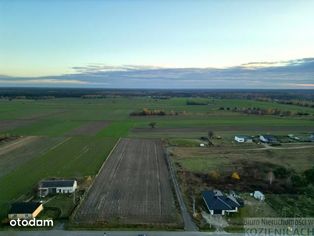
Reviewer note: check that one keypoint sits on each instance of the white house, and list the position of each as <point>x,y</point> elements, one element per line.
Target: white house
<point>259,195</point>
<point>56,186</point>
<point>243,139</point>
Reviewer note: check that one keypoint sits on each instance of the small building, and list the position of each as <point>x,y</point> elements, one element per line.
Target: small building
<point>25,210</point>
<point>268,139</point>
<point>56,186</point>
<point>259,195</point>
<point>202,145</point>
<point>218,203</point>
<point>312,137</point>
<point>243,139</point>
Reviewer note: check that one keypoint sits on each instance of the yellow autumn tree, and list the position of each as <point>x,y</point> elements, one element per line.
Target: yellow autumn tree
<point>235,175</point>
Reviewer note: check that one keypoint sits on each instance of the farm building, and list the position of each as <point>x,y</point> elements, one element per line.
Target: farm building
<point>259,195</point>
<point>56,186</point>
<point>243,139</point>
<point>25,210</point>
<point>312,137</point>
<point>268,139</point>
<point>218,203</point>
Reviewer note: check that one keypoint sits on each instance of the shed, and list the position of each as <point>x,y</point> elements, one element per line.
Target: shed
<point>259,195</point>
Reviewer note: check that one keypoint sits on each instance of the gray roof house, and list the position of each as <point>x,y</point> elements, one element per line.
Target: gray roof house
<point>219,203</point>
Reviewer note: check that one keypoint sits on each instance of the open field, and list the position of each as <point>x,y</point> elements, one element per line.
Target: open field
<point>133,187</point>
<point>90,128</point>
<point>22,150</point>
<point>71,138</point>
<point>223,161</point>
<point>71,157</point>
<point>12,124</point>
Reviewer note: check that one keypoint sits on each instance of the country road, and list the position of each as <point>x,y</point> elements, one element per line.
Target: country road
<point>269,147</point>
<point>189,225</point>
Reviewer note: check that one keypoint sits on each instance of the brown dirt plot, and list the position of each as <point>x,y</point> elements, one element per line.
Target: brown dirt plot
<point>89,128</point>
<point>133,187</point>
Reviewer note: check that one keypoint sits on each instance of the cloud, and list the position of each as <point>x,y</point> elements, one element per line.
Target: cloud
<point>267,75</point>
<point>305,85</point>
<point>41,81</point>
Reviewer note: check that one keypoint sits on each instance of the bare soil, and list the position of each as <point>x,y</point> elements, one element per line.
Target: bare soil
<point>90,128</point>
<point>132,188</point>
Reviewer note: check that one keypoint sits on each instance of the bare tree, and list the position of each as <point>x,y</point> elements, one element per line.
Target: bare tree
<point>152,124</point>
<point>210,135</point>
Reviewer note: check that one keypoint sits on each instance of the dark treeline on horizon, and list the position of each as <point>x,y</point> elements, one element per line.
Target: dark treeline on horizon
<point>272,94</point>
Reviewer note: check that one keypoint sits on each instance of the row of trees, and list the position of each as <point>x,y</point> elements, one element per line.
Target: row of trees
<point>262,111</point>
<point>298,181</point>
<point>148,112</point>
<point>196,102</point>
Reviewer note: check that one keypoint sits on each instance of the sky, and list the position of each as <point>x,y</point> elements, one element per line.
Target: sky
<point>164,44</point>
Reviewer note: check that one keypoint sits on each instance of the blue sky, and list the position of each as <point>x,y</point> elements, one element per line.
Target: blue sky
<point>44,42</point>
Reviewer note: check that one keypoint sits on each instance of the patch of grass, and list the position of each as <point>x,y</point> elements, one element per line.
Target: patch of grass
<point>64,202</point>
<point>292,205</point>
<point>181,142</point>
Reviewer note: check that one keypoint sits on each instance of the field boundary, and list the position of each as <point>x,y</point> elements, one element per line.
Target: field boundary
<point>189,225</point>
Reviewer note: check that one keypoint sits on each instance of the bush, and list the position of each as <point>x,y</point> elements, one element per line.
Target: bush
<point>298,181</point>
<point>309,175</point>
<point>281,172</point>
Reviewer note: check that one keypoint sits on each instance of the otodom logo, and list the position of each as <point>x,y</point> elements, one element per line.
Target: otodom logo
<point>31,223</point>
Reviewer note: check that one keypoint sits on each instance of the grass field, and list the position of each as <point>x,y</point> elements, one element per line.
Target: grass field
<point>24,150</point>
<point>73,136</point>
<point>72,157</point>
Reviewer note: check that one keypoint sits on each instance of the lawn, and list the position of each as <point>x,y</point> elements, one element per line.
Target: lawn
<point>63,202</point>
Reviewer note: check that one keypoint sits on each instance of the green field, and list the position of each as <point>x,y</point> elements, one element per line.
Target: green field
<point>55,153</point>
<point>73,157</point>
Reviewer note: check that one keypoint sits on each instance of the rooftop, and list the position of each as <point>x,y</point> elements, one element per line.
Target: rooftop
<point>243,136</point>
<point>56,183</point>
<point>24,207</point>
<point>219,202</point>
